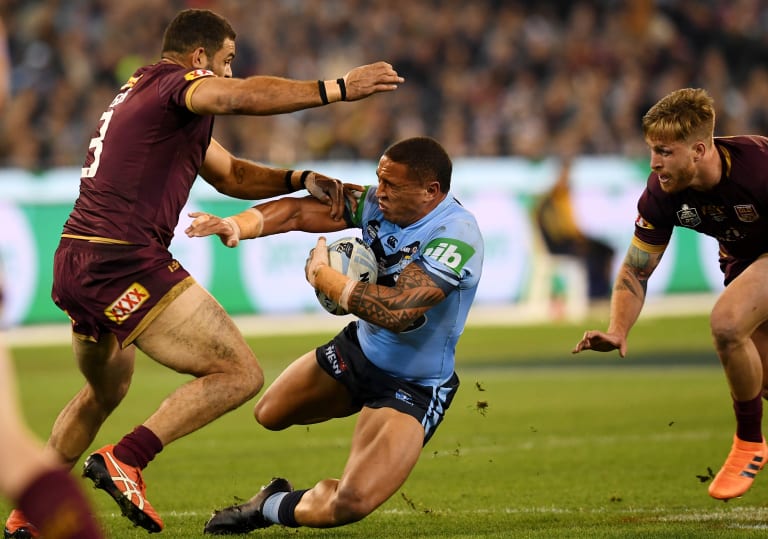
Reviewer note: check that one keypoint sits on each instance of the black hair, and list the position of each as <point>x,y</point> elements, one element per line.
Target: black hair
<point>193,28</point>
<point>426,159</point>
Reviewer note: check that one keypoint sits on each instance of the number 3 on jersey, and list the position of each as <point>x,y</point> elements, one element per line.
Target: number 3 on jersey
<point>96,144</point>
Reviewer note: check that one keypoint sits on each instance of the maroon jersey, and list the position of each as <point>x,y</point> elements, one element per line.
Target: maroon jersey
<point>735,211</point>
<point>142,160</point>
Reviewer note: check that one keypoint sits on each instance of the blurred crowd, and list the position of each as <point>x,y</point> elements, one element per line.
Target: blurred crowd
<point>485,77</point>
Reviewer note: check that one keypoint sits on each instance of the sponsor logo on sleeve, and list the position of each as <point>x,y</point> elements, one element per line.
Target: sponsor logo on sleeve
<point>127,303</point>
<point>198,73</point>
<point>642,223</point>
<point>452,253</point>
<point>130,83</point>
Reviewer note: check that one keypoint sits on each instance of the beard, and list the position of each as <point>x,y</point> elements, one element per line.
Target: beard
<point>674,183</point>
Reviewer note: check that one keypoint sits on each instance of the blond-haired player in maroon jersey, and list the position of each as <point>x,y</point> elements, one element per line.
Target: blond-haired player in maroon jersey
<point>717,186</point>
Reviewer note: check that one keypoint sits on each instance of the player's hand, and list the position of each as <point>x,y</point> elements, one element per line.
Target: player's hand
<point>327,190</point>
<point>601,342</point>
<point>352,194</point>
<point>369,79</point>
<point>318,257</point>
<point>207,224</point>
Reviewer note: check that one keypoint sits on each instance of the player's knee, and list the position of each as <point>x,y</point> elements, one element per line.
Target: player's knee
<point>351,505</point>
<point>726,332</point>
<point>243,378</point>
<point>108,398</point>
<point>268,415</point>
<point>250,380</point>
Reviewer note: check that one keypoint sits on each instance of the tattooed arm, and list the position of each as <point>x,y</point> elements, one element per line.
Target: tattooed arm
<point>627,301</point>
<point>398,307</point>
<point>395,308</point>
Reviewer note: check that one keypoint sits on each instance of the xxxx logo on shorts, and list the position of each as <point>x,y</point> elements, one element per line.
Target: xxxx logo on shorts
<point>127,303</point>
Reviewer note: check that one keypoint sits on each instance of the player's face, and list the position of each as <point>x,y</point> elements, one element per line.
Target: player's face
<point>402,200</point>
<point>221,62</point>
<point>673,163</point>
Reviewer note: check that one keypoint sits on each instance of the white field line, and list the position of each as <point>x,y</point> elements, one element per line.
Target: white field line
<point>739,513</point>
<point>662,514</point>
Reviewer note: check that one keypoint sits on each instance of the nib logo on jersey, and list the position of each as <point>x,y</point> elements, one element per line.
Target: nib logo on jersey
<point>127,303</point>
<point>450,252</point>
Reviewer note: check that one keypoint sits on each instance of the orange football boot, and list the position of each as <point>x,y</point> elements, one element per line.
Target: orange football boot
<point>739,470</point>
<point>19,527</point>
<point>126,486</point>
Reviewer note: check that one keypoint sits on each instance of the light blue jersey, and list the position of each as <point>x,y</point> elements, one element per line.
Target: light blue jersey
<point>448,245</point>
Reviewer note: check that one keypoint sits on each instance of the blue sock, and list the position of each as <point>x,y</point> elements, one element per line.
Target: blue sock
<point>286,511</point>
<point>271,505</point>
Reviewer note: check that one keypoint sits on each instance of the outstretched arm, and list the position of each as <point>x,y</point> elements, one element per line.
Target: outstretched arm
<point>627,301</point>
<point>274,217</point>
<point>264,95</point>
<point>244,179</point>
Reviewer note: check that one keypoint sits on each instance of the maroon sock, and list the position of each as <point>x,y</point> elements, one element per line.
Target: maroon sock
<point>749,419</point>
<point>54,503</point>
<point>139,447</point>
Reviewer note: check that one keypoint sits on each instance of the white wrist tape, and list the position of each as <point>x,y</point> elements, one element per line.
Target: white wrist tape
<point>345,293</point>
<point>235,230</point>
<point>255,225</point>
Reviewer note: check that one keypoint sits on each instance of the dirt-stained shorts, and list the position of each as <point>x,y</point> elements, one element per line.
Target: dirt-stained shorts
<point>109,288</point>
<point>370,386</point>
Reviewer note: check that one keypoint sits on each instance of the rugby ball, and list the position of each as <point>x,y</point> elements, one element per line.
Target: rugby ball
<point>355,259</point>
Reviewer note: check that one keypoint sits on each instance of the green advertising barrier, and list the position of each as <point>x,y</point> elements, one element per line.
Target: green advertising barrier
<point>265,275</point>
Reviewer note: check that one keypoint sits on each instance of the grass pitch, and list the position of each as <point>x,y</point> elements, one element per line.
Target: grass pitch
<point>538,442</point>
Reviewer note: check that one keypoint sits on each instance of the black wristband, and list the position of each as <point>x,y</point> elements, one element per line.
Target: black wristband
<point>321,89</point>
<point>303,179</point>
<point>288,184</point>
<point>343,88</point>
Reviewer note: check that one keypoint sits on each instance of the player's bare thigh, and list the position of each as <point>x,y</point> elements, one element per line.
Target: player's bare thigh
<point>195,335</point>
<point>743,305</point>
<point>303,394</point>
<point>107,368</point>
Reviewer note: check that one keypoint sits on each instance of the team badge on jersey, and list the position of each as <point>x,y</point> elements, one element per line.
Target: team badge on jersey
<point>198,73</point>
<point>746,213</point>
<point>688,217</point>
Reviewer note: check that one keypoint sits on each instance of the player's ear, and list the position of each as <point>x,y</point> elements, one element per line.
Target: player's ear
<point>699,150</point>
<point>199,58</point>
<point>433,188</point>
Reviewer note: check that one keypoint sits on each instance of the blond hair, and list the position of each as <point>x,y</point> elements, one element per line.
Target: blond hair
<point>683,115</point>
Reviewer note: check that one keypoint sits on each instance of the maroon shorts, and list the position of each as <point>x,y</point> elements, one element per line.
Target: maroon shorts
<point>109,288</point>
